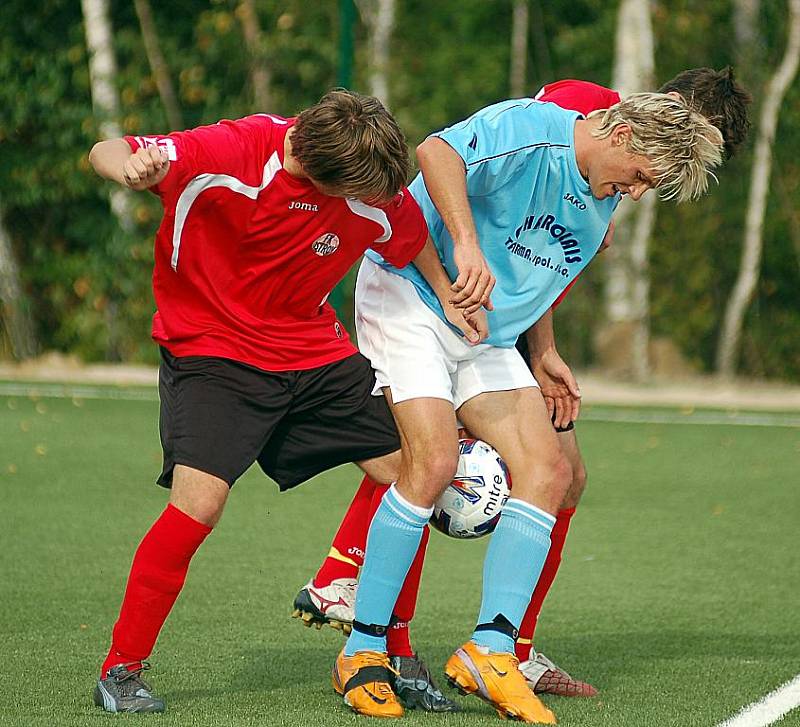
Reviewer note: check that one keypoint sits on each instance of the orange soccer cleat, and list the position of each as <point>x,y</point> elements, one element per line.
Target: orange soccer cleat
<point>496,679</point>
<point>363,679</point>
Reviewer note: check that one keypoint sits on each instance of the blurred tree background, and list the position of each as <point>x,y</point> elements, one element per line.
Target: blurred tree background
<point>85,283</point>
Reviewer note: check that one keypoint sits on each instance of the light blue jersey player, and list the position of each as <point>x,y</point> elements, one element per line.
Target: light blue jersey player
<point>528,188</point>
<point>536,218</point>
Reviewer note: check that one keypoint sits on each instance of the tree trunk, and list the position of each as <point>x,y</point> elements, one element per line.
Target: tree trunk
<point>14,306</point>
<point>519,49</point>
<point>623,342</point>
<point>379,17</point>
<point>260,77</point>
<point>750,262</point>
<point>158,65</point>
<point>541,44</point>
<point>747,49</point>
<point>105,99</point>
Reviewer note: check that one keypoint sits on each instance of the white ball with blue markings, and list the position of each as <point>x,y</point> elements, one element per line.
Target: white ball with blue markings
<point>470,506</point>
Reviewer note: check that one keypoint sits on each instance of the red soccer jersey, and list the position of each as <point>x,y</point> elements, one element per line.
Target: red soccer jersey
<point>247,254</point>
<point>581,96</point>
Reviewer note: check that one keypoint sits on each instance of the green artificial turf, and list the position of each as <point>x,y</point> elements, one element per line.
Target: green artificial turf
<point>679,597</point>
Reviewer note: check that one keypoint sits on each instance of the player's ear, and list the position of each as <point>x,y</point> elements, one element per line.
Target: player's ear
<point>621,135</point>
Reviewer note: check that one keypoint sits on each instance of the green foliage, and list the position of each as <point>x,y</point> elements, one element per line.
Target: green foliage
<point>90,283</point>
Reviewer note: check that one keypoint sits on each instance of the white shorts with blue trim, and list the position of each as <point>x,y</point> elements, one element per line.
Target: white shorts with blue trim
<point>416,354</point>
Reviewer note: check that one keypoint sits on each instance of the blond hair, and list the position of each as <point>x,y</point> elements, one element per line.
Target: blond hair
<point>681,144</point>
<point>352,146</point>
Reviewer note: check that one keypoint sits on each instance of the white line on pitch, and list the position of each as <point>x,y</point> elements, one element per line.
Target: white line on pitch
<point>78,391</point>
<point>592,413</point>
<point>769,709</point>
<point>665,416</point>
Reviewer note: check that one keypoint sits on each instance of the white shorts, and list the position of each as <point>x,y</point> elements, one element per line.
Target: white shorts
<point>416,354</point>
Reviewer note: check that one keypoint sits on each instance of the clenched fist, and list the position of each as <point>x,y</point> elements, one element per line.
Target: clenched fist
<point>145,167</point>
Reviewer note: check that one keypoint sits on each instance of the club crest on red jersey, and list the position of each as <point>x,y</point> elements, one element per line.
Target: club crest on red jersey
<point>326,244</point>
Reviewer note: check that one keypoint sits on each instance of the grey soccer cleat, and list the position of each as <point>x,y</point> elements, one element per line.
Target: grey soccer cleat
<point>333,604</point>
<point>124,690</point>
<point>544,677</point>
<point>415,688</point>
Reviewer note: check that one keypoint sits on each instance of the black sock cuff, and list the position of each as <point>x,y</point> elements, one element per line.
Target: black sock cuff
<point>502,624</point>
<point>370,629</point>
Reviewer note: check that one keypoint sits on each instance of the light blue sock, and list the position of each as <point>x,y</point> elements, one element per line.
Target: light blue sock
<point>392,543</point>
<point>513,563</point>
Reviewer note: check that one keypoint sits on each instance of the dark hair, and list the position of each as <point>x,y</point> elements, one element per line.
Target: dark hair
<point>717,96</point>
<point>352,146</point>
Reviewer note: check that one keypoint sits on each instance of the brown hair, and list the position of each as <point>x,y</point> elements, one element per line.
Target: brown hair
<point>717,96</point>
<point>352,146</point>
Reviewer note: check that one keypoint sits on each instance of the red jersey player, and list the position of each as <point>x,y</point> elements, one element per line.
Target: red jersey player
<point>262,217</point>
<point>330,595</point>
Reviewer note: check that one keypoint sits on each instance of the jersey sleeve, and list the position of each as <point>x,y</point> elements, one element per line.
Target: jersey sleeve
<point>494,143</point>
<point>581,96</point>
<point>238,149</point>
<point>408,231</point>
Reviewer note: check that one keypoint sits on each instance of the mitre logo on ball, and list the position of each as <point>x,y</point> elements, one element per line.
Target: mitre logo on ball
<point>471,505</point>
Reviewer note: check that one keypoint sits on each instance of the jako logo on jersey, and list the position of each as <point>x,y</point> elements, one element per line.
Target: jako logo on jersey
<point>305,206</point>
<point>168,145</point>
<point>326,244</point>
<point>573,201</point>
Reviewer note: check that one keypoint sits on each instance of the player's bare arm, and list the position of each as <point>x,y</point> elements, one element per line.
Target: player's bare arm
<point>472,325</point>
<point>558,385</point>
<point>112,159</point>
<point>445,178</point>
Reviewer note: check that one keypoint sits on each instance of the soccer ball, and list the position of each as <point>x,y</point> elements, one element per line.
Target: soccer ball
<point>470,506</point>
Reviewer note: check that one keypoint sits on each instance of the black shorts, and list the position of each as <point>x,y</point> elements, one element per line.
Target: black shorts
<point>522,347</point>
<point>219,416</point>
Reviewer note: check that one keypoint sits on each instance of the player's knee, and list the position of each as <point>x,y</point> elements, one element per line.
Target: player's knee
<point>561,475</point>
<point>577,486</point>
<point>579,478</point>
<point>199,495</point>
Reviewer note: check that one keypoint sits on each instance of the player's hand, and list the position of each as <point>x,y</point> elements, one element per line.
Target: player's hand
<point>559,388</point>
<point>475,281</point>
<point>145,167</point>
<point>479,323</point>
<point>474,327</point>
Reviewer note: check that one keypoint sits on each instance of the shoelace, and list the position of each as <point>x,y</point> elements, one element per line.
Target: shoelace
<point>131,680</point>
<point>420,675</point>
<point>374,658</point>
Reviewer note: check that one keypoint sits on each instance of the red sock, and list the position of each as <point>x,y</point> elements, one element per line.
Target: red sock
<point>398,640</point>
<point>346,555</point>
<point>552,562</point>
<point>156,578</point>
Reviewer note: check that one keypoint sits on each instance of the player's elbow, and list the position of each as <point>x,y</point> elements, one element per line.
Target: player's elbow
<point>98,155</point>
<point>432,150</point>
<point>423,151</point>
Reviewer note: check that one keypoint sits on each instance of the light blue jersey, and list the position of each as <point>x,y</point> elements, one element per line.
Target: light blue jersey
<point>537,221</point>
